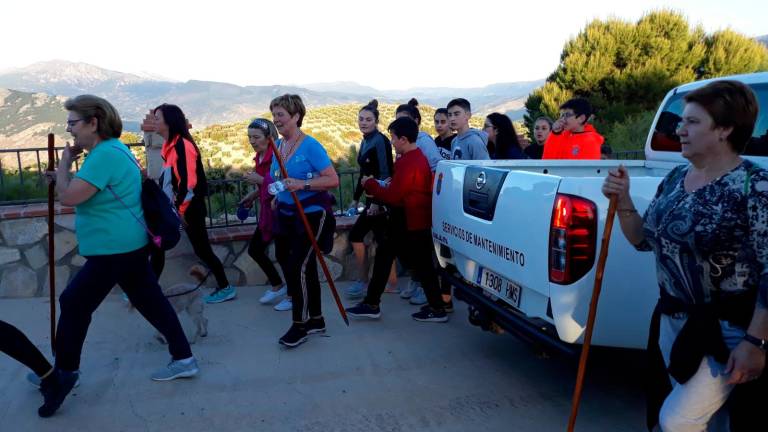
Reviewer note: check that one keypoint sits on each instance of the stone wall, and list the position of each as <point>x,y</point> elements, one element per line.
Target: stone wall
<point>24,253</point>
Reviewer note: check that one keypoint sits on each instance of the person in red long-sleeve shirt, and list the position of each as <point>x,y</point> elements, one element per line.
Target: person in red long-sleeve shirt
<point>409,195</point>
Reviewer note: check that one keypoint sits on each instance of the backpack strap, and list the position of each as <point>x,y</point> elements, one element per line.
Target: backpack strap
<point>157,240</point>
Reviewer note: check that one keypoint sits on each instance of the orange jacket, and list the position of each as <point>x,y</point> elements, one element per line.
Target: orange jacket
<point>182,175</point>
<point>574,145</point>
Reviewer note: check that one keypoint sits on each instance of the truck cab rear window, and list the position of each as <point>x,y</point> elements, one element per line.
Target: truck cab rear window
<point>665,139</point>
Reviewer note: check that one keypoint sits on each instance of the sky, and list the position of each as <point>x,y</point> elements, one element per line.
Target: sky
<point>389,44</point>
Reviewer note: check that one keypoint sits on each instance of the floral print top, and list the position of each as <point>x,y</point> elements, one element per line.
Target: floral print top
<point>713,241</point>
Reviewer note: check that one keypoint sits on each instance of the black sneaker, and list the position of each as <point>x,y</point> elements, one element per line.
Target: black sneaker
<point>362,310</point>
<point>55,387</point>
<point>315,325</point>
<point>431,315</point>
<point>295,336</point>
<point>448,307</point>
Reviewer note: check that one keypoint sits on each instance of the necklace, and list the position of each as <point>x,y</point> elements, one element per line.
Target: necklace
<point>285,151</point>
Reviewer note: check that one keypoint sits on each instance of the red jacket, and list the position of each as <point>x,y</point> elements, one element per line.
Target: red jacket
<point>574,145</point>
<point>266,214</point>
<point>410,188</point>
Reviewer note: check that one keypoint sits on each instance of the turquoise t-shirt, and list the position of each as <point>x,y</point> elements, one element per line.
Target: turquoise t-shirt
<point>104,226</point>
<point>310,158</point>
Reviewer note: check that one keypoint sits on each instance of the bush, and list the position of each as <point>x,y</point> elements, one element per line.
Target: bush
<point>629,134</point>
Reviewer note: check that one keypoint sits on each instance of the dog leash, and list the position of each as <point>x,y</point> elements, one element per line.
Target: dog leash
<point>193,289</point>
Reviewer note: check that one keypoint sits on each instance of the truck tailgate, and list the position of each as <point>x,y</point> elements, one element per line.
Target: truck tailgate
<point>479,212</point>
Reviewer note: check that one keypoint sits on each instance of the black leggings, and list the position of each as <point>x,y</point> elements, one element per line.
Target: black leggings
<point>299,264</point>
<point>198,236</point>
<point>415,250</point>
<point>257,249</point>
<point>15,344</point>
<point>365,223</point>
<point>91,285</point>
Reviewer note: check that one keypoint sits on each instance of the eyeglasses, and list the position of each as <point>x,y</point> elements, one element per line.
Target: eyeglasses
<point>72,123</point>
<point>567,114</point>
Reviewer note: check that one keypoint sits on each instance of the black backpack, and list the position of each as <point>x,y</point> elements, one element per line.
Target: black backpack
<point>161,221</point>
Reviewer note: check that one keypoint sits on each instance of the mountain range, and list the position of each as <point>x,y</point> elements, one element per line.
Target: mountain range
<point>208,102</point>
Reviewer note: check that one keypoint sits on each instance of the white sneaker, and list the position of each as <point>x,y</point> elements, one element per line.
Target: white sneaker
<point>285,305</point>
<point>410,290</point>
<point>418,298</point>
<point>271,295</point>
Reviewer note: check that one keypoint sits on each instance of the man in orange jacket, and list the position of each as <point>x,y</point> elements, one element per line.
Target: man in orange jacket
<point>572,137</point>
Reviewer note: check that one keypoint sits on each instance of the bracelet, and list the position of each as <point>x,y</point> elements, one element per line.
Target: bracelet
<point>627,210</point>
<point>760,343</point>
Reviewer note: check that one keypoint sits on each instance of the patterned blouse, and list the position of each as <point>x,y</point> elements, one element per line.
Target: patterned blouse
<point>712,241</point>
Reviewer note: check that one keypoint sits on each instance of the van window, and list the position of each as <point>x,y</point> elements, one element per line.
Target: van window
<point>665,139</point>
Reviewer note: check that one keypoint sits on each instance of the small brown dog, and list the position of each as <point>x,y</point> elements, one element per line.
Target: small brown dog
<point>188,297</point>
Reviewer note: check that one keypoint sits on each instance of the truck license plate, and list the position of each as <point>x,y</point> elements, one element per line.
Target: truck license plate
<point>500,286</point>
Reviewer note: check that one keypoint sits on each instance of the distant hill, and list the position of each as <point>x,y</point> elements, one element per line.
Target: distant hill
<point>763,39</point>
<point>25,121</point>
<point>207,102</point>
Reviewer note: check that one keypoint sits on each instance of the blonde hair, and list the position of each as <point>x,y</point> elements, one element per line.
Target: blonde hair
<point>90,106</point>
<point>291,103</point>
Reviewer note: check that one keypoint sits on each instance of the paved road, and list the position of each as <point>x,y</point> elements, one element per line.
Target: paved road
<point>391,375</point>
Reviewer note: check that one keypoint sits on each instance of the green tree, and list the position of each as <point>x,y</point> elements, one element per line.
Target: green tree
<point>730,53</point>
<point>625,68</point>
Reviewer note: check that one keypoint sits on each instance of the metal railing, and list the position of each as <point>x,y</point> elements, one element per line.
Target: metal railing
<point>22,181</point>
<point>225,194</point>
<point>26,184</point>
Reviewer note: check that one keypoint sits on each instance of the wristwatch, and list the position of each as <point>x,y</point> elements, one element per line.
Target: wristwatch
<point>760,343</point>
<point>306,184</point>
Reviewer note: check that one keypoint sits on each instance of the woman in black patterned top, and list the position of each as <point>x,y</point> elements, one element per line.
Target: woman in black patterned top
<point>708,227</point>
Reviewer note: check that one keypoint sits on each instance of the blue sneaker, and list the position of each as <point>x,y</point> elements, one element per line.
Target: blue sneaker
<point>356,290</point>
<point>186,368</point>
<point>222,295</point>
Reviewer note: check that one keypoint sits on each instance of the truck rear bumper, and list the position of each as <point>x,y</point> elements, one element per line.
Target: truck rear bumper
<point>530,330</point>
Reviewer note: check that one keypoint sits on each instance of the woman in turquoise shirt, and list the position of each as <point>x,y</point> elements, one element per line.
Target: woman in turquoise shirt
<point>106,194</point>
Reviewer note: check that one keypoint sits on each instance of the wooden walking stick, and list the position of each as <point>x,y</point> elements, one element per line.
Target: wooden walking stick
<point>310,234</point>
<point>592,311</point>
<point>51,261</point>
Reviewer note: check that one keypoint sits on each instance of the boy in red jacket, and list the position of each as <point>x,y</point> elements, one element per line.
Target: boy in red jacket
<point>409,234</point>
<point>572,137</point>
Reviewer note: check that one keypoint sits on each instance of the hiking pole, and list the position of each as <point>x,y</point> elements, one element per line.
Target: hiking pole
<point>592,311</point>
<point>51,261</point>
<point>311,235</point>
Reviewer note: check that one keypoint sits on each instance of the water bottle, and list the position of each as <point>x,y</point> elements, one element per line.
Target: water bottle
<point>276,187</point>
<point>351,212</point>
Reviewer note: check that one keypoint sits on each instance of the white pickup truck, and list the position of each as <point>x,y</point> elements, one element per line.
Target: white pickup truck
<point>518,239</point>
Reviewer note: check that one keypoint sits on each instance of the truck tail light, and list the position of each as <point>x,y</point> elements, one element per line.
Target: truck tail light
<point>572,238</point>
